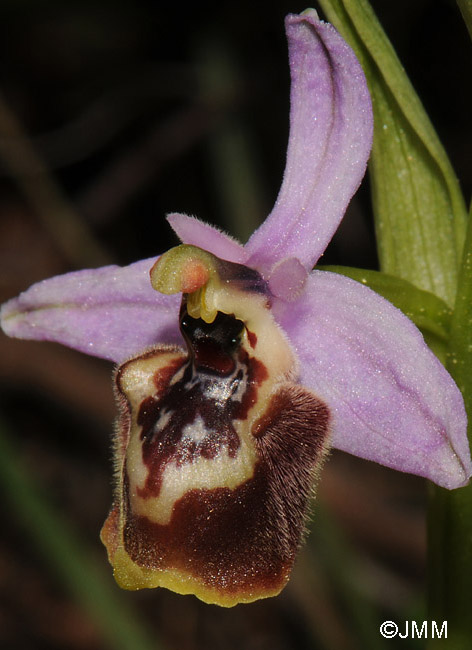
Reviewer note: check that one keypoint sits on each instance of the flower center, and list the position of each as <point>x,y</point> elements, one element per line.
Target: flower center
<point>208,437</point>
<point>209,284</point>
<point>225,309</point>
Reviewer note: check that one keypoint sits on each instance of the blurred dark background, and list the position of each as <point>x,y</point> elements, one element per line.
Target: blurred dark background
<point>113,114</point>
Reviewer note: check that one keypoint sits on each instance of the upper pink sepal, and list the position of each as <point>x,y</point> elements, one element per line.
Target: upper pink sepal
<point>329,144</point>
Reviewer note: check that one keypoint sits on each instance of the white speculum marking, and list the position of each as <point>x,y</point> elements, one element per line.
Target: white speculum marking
<point>163,420</point>
<point>196,431</point>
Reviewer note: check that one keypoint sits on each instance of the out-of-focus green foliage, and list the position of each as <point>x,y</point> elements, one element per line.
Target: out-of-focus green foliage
<point>69,557</point>
<point>466,10</point>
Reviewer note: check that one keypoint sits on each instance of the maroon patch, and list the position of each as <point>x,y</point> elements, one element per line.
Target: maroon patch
<point>278,404</point>
<point>252,338</point>
<point>163,375</point>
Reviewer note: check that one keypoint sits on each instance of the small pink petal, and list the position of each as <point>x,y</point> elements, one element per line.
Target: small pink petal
<point>287,279</point>
<point>192,231</point>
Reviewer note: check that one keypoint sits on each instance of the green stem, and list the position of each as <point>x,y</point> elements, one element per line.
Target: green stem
<point>69,557</point>
<point>450,514</point>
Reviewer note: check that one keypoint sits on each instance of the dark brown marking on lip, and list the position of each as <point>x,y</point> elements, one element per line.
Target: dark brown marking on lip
<point>252,338</point>
<point>277,405</point>
<point>211,536</point>
<point>244,541</point>
<point>163,375</point>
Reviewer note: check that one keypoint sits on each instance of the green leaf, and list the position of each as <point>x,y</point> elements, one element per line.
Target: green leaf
<point>429,313</point>
<point>450,517</point>
<point>460,357</point>
<point>419,209</point>
<point>466,10</point>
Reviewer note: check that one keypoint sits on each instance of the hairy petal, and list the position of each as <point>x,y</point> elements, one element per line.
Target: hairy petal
<point>193,231</point>
<point>110,312</point>
<point>329,144</point>
<point>392,401</point>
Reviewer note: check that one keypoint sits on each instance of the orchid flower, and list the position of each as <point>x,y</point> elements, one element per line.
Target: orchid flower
<point>220,441</point>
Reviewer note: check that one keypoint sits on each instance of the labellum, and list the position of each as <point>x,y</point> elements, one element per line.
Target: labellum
<point>217,448</point>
